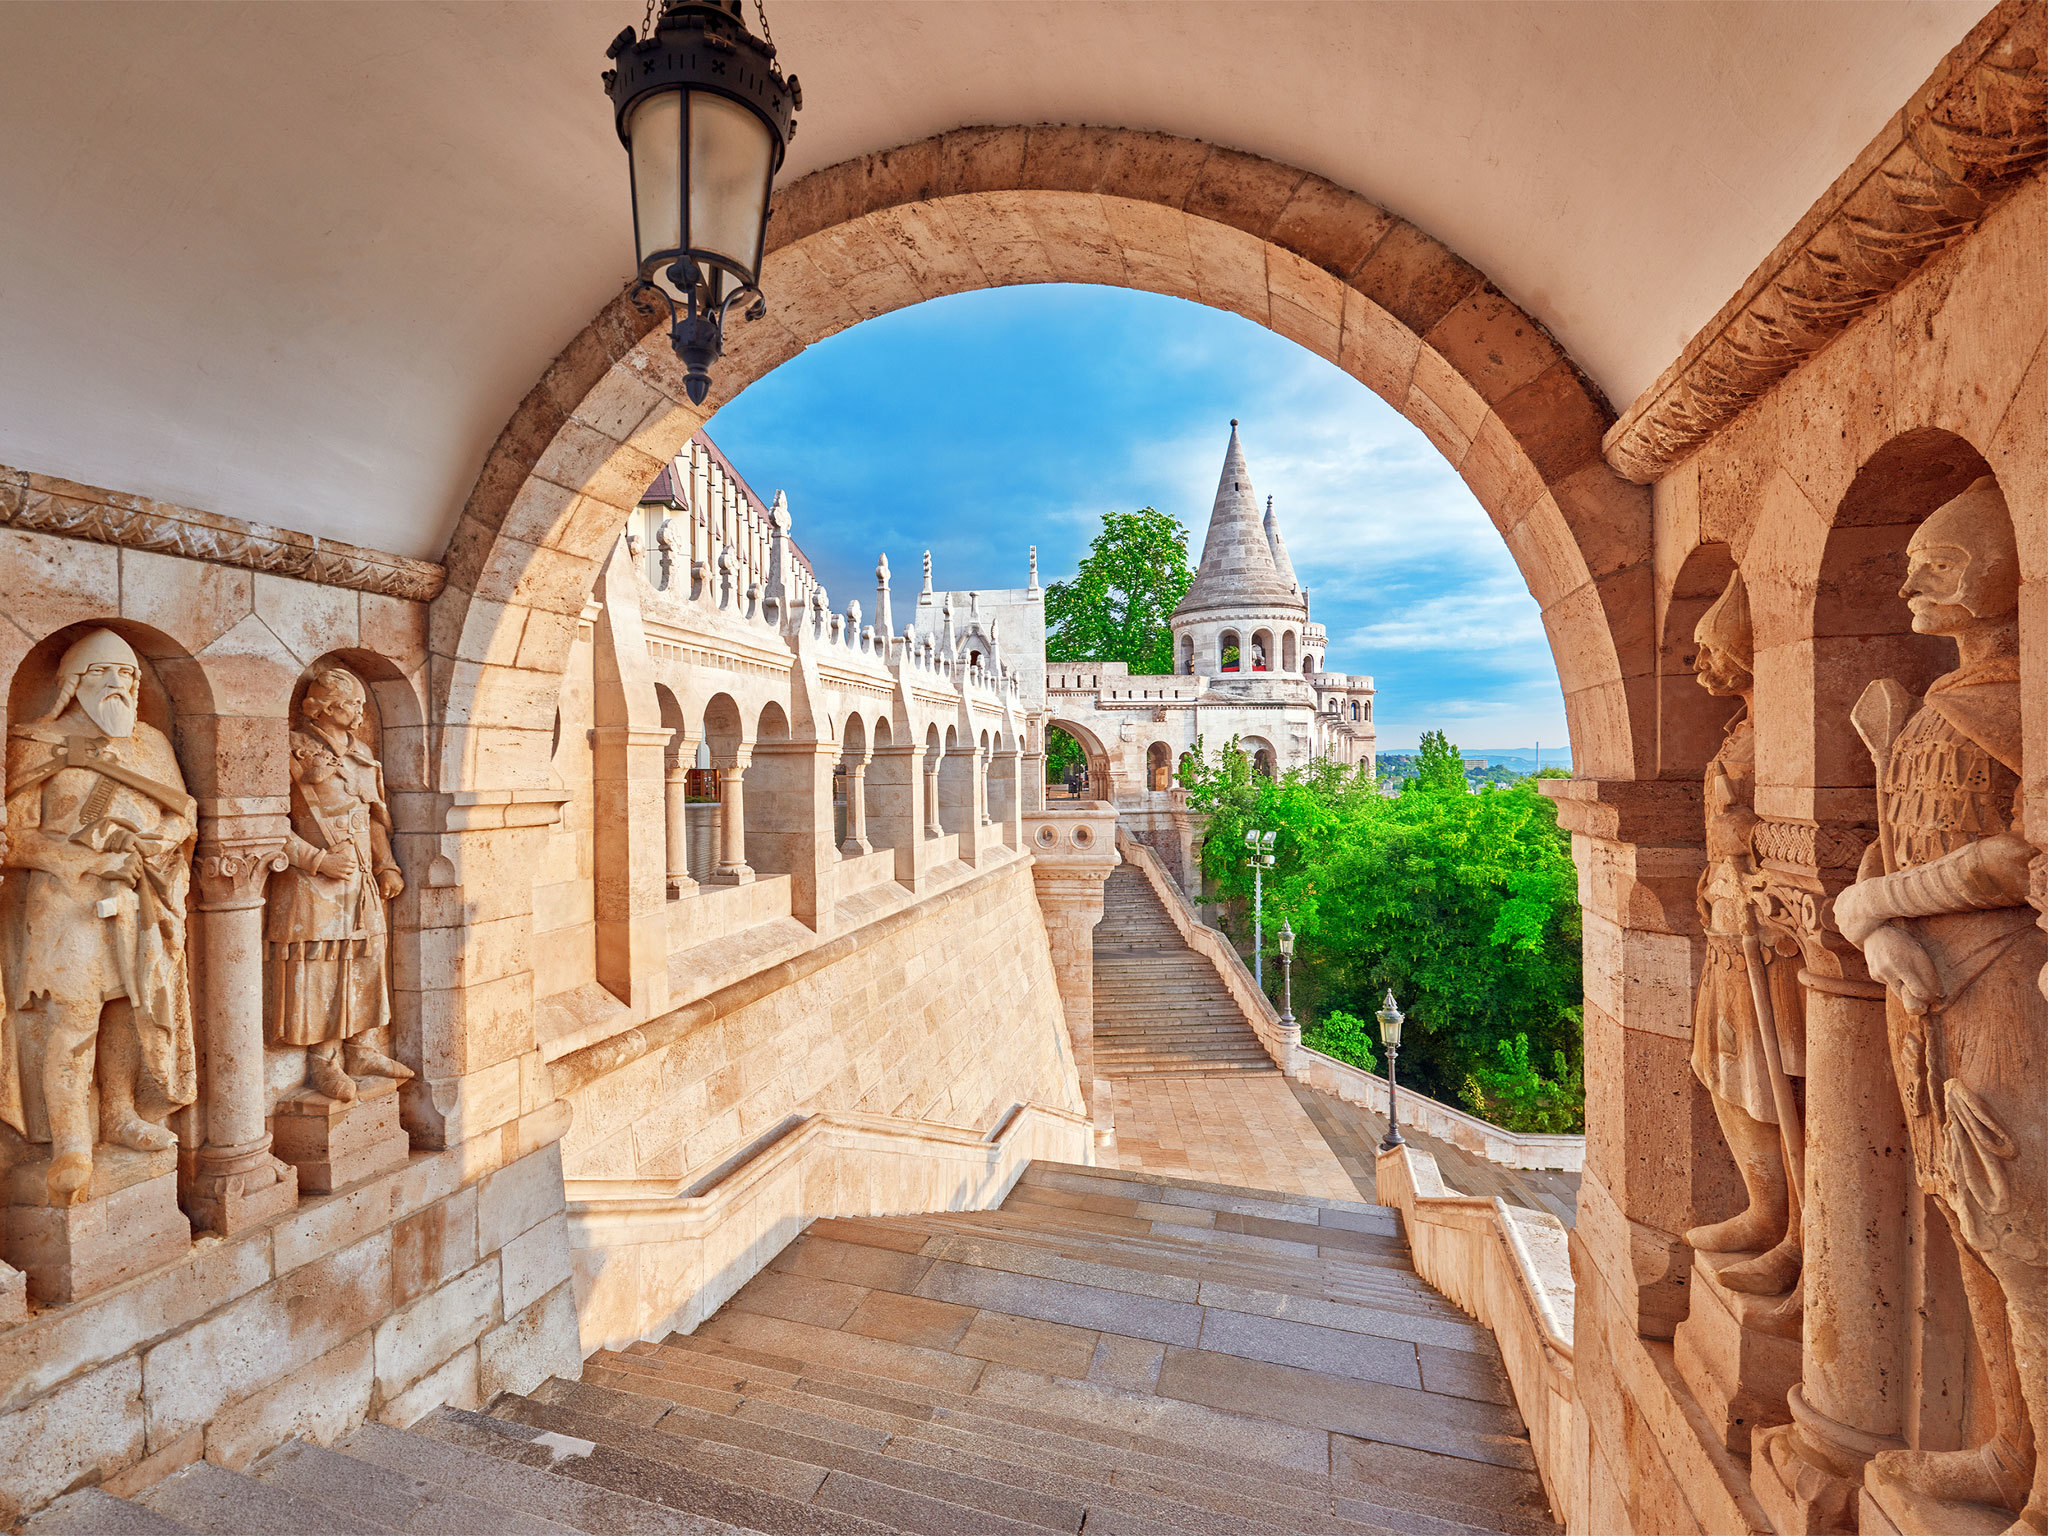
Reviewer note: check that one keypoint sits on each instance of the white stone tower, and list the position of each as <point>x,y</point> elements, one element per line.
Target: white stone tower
<point>1244,613</point>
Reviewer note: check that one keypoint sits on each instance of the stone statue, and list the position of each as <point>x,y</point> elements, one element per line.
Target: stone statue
<point>1940,912</point>
<point>1748,1028</point>
<point>330,985</point>
<point>94,931</point>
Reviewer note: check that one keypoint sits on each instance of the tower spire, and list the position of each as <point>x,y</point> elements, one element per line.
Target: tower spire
<point>1278,546</point>
<point>1237,570</point>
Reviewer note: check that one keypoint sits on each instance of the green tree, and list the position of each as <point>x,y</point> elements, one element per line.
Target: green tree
<point>1465,905</point>
<point>1438,765</point>
<point>1116,606</point>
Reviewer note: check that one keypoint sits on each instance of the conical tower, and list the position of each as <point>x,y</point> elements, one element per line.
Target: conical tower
<point>1278,546</point>
<point>1244,587</point>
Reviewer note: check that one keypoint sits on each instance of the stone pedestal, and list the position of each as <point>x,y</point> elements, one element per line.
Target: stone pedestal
<point>334,1144</point>
<point>1737,1357</point>
<point>1885,1508</point>
<point>228,1189</point>
<point>128,1222</point>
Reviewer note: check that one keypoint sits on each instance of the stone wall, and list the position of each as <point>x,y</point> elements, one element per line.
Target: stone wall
<point>1811,494</point>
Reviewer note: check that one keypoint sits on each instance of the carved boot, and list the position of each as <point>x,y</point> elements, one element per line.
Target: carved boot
<point>70,1173</point>
<point>364,1062</point>
<point>131,1130</point>
<point>1995,1473</point>
<point>1768,1274</point>
<point>326,1076</point>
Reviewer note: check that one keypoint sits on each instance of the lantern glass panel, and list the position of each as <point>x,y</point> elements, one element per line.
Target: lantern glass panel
<point>732,154</point>
<point>655,131</point>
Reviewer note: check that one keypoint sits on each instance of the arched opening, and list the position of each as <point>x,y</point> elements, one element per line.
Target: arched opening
<point>1288,662</point>
<point>1076,763</point>
<point>1260,754</point>
<point>882,831</point>
<point>1262,650</point>
<point>770,813</point>
<point>1186,665</point>
<point>849,791</point>
<point>1308,666</point>
<point>1227,651</point>
<point>1159,766</point>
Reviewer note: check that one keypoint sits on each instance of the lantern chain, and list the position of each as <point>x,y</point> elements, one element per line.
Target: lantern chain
<point>767,36</point>
<point>647,22</point>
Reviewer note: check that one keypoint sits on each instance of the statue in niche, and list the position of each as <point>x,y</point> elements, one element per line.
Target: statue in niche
<point>328,935</point>
<point>97,990</point>
<point>1940,911</point>
<point>1748,1025</point>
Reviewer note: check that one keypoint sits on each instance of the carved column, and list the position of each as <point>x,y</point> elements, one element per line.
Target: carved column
<point>235,1182</point>
<point>1852,1399</point>
<point>933,827</point>
<point>733,868</point>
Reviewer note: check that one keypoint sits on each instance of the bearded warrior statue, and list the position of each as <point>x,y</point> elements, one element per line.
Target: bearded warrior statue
<point>330,983</point>
<point>1940,912</point>
<point>1748,1027</point>
<point>93,930</point>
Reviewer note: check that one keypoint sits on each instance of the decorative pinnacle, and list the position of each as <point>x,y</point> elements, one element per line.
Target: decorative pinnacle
<point>927,592</point>
<point>882,570</point>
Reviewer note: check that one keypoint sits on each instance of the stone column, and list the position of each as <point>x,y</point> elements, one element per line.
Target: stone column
<point>1853,1399</point>
<point>1073,853</point>
<point>933,827</point>
<point>235,1182</point>
<point>856,842</point>
<point>732,822</point>
<point>628,808</point>
<point>793,825</point>
<point>678,827</point>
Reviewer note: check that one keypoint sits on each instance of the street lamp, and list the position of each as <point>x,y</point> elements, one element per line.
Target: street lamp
<point>1261,845</point>
<point>705,115</point>
<point>1286,972</point>
<point>1390,1036</point>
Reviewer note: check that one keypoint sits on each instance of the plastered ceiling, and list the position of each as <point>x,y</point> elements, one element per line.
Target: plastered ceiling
<point>298,262</point>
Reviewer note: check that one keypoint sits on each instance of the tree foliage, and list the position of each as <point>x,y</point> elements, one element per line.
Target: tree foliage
<point>1116,606</point>
<point>1465,904</point>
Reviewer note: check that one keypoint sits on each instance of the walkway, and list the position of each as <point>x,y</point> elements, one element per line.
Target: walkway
<point>1191,1090</point>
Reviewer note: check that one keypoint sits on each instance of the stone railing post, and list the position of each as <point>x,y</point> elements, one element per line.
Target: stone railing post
<point>235,1181</point>
<point>1073,850</point>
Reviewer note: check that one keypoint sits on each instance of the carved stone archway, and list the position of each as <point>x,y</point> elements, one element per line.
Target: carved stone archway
<point>986,207</point>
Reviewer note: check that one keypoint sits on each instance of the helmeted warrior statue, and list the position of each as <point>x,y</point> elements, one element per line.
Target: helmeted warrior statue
<point>1748,1028</point>
<point>329,962</point>
<point>93,930</point>
<point>1940,912</point>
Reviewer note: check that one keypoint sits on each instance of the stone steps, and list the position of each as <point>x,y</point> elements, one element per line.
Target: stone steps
<point>432,1478</point>
<point>1106,1352</point>
<point>1161,1011</point>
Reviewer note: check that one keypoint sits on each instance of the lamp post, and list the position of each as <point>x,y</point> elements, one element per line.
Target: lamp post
<point>1390,1037</point>
<point>1286,973</point>
<point>1261,845</point>
<point>705,115</point>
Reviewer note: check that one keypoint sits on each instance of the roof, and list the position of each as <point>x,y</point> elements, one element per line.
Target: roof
<point>663,488</point>
<point>1237,569</point>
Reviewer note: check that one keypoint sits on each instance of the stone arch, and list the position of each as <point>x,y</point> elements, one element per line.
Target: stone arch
<point>981,207</point>
<point>1159,766</point>
<point>1229,652</point>
<point>1262,651</point>
<point>1289,659</point>
<point>1092,749</point>
<point>1187,656</point>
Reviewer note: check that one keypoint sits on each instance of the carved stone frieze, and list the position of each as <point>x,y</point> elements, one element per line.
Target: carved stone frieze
<point>1957,152</point>
<point>46,505</point>
<point>230,875</point>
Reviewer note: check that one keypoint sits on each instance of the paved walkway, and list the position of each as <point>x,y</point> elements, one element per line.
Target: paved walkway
<point>1245,1129</point>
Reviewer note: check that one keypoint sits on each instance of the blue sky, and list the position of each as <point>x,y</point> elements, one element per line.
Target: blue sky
<point>978,425</point>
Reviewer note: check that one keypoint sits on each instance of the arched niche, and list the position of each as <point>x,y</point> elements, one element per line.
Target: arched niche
<point>1690,721</point>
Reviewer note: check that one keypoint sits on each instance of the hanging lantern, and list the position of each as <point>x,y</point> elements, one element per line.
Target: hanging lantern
<point>705,115</point>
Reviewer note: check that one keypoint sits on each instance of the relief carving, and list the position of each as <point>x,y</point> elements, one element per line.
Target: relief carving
<point>328,934</point>
<point>1957,159</point>
<point>94,927</point>
<point>1748,1025</point>
<point>1940,911</point>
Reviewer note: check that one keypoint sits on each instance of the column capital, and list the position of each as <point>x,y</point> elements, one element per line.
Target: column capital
<point>230,875</point>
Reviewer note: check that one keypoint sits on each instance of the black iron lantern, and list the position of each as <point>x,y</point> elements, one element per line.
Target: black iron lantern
<point>706,116</point>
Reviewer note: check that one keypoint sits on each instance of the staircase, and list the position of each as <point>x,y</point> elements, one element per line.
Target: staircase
<point>1109,1354</point>
<point>1161,1011</point>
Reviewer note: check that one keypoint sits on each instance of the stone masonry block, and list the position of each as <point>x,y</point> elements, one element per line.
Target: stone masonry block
<point>92,1425</point>
<point>322,1400</point>
<point>417,1340</point>
<point>519,1197</point>
<point>538,1343</point>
